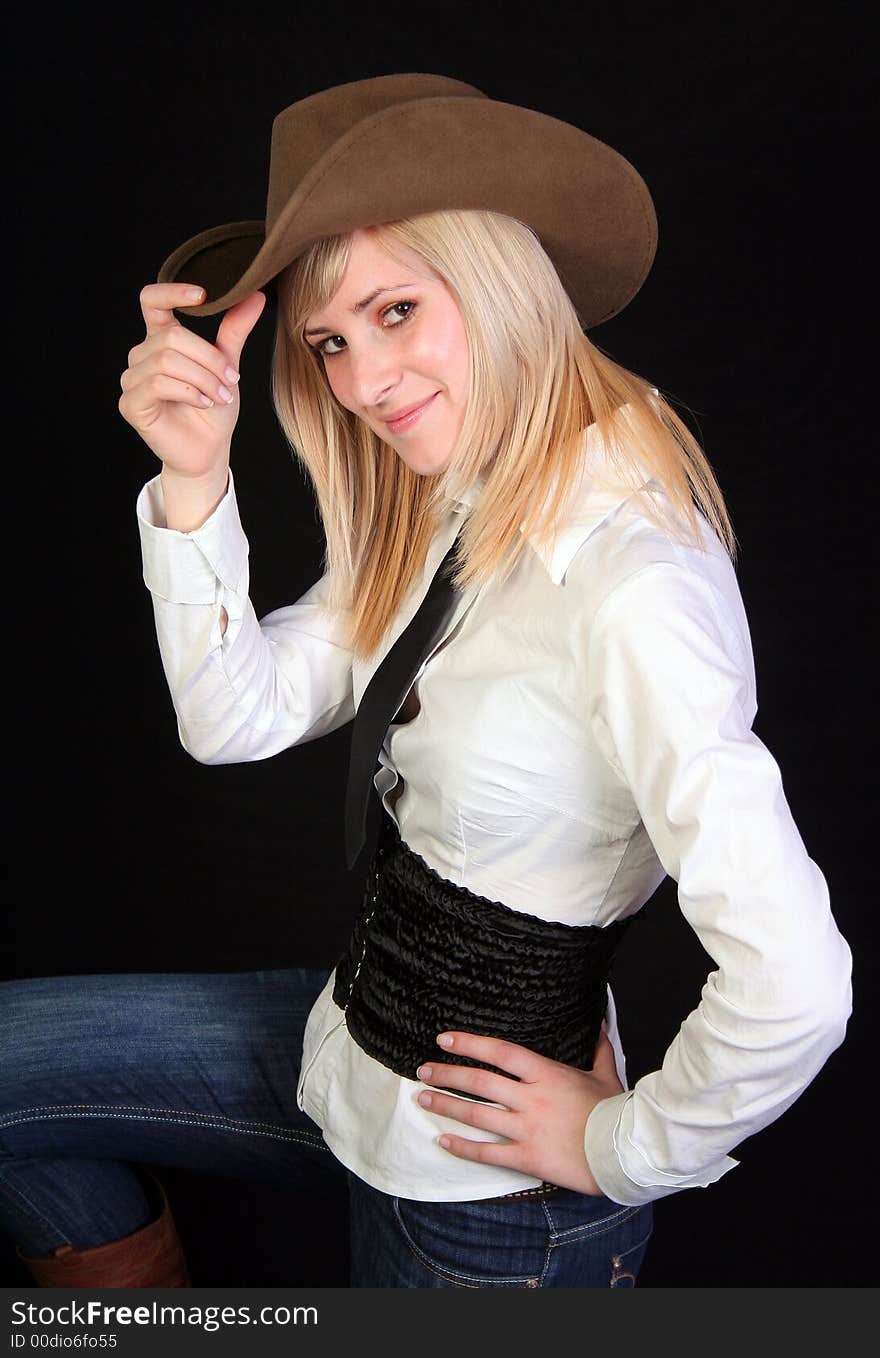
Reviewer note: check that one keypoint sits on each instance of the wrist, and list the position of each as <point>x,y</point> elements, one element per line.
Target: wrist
<point>190,500</point>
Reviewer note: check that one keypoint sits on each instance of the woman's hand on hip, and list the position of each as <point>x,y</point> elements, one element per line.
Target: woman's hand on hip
<point>544,1113</point>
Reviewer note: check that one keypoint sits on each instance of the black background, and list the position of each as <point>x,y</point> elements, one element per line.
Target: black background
<point>755,133</point>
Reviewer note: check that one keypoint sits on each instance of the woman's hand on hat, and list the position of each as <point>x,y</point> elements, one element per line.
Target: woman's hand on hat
<point>179,391</point>
<point>544,1113</point>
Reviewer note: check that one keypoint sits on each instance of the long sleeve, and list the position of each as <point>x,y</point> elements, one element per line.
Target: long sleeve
<point>671,707</point>
<point>266,684</point>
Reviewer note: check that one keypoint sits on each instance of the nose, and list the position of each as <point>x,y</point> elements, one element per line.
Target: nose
<point>373,372</point>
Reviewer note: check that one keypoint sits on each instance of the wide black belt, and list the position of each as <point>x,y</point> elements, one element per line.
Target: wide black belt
<point>427,955</point>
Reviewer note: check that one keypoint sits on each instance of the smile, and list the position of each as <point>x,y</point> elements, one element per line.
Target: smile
<point>410,418</point>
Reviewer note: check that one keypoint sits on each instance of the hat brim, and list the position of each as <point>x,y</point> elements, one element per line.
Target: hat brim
<point>588,205</point>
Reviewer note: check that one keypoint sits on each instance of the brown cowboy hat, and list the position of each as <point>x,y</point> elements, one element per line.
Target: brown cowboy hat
<point>394,146</point>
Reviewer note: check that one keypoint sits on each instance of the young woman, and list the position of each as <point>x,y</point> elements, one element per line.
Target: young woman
<point>530,609</point>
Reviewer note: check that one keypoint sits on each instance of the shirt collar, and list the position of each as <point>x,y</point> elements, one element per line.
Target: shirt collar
<point>597,495</point>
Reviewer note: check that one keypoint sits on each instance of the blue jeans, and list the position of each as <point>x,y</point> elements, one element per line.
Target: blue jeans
<point>100,1073</point>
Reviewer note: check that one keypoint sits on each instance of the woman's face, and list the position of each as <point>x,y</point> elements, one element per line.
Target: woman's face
<point>386,352</point>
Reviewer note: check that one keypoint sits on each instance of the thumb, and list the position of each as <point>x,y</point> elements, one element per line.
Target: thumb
<point>237,324</point>
<point>603,1055</point>
<point>605,1063</point>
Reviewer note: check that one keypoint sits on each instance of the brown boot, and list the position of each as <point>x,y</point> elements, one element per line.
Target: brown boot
<point>150,1257</point>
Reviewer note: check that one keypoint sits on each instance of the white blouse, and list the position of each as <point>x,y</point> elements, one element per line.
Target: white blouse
<point>582,731</point>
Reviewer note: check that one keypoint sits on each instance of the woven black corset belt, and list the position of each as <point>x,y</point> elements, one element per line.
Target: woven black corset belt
<point>427,955</point>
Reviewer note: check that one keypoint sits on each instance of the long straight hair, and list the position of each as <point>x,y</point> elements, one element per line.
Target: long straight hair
<point>536,382</point>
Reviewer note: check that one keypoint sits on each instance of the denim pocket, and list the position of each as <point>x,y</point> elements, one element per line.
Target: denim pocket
<point>603,1249</point>
<point>477,1244</point>
<point>627,1258</point>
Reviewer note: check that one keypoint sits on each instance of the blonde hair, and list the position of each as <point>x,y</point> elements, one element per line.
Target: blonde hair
<point>536,383</point>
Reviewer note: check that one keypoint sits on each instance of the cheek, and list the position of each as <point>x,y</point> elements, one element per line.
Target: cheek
<point>447,351</point>
<point>338,386</point>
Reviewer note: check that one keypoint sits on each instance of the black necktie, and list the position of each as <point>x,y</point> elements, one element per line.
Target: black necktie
<point>383,696</point>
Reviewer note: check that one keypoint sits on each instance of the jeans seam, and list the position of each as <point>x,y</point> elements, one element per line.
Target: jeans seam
<point>586,1232</point>
<point>186,1117</point>
<point>617,1261</point>
<point>140,1107</point>
<point>623,1253</point>
<point>30,1207</point>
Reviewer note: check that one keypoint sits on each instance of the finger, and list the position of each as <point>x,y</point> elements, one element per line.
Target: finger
<point>505,1153</point>
<point>163,388</point>
<point>483,1115</point>
<point>497,1051</point>
<point>471,1080</point>
<point>170,362</point>
<point>157,303</point>
<point>237,324</point>
<point>184,341</point>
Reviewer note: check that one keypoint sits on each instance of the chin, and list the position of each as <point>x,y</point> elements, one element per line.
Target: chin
<point>424,464</point>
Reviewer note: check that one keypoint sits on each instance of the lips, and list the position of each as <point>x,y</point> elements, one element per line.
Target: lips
<point>403,418</point>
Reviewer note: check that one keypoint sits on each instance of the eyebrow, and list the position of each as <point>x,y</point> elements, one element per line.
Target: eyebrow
<point>359,306</point>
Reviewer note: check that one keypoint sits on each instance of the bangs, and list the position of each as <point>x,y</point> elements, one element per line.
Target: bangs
<point>311,281</point>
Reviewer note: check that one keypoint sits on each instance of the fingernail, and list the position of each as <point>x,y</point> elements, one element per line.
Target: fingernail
<point>193,294</point>
<point>231,374</point>
<point>425,1100</point>
<point>424,1072</point>
<point>445,1040</point>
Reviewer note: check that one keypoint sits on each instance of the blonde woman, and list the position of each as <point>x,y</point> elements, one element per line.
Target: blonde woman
<point>529,595</point>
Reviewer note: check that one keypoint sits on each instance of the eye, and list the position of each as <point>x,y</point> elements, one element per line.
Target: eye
<point>328,353</point>
<point>395,306</point>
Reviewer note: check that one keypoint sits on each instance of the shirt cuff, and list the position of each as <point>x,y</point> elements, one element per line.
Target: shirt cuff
<point>184,567</point>
<point>605,1146</point>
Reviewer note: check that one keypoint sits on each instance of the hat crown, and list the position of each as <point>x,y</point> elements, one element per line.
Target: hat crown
<point>397,146</point>
<point>305,131</point>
